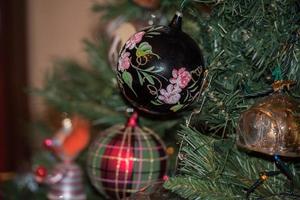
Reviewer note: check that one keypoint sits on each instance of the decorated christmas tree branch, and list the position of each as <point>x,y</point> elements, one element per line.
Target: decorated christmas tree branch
<point>243,42</point>
<point>216,169</point>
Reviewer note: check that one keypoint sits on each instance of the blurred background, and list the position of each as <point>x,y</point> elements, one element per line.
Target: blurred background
<point>32,34</point>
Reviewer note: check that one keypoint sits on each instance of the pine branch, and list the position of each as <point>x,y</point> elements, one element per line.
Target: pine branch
<point>216,169</point>
<point>112,10</point>
<point>190,188</point>
<point>89,91</point>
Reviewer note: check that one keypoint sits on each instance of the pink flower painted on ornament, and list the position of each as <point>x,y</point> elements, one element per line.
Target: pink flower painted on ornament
<point>136,38</point>
<point>170,95</point>
<point>181,77</point>
<point>124,61</point>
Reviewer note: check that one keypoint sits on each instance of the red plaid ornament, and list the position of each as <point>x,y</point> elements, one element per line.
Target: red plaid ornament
<point>125,159</point>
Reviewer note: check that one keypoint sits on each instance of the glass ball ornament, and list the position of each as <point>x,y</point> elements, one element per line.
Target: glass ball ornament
<point>161,69</point>
<point>41,172</point>
<point>125,159</point>
<point>272,127</point>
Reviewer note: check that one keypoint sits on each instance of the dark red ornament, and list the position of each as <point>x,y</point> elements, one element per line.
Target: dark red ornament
<point>48,144</point>
<point>41,172</point>
<point>161,69</point>
<point>166,177</point>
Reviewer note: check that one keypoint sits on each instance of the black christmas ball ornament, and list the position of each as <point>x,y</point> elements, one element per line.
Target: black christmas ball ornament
<point>161,69</point>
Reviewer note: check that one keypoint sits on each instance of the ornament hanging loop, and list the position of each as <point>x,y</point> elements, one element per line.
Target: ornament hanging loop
<point>176,22</point>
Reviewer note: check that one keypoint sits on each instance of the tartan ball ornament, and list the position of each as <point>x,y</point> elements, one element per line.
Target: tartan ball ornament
<point>125,159</point>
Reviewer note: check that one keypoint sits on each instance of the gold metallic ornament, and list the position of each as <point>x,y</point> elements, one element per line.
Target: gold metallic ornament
<point>170,150</point>
<point>271,126</point>
<point>280,85</point>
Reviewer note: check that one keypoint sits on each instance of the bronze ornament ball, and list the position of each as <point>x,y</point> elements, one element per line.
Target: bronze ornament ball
<point>160,69</point>
<point>271,126</point>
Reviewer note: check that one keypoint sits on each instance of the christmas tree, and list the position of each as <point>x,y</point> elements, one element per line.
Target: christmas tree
<point>247,46</point>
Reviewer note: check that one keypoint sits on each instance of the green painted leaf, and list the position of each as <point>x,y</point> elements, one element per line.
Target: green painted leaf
<point>145,46</point>
<point>194,89</point>
<point>150,69</point>
<point>154,33</point>
<point>149,78</point>
<point>159,69</point>
<point>176,107</point>
<point>186,97</point>
<point>140,78</point>
<point>139,53</point>
<point>194,84</point>
<point>158,27</point>
<point>119,77</point>
<point>155,103</point>
<point>151,29</point>
<point>126,76</point>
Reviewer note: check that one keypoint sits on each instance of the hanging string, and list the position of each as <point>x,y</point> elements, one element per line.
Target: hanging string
<point>203,90</point>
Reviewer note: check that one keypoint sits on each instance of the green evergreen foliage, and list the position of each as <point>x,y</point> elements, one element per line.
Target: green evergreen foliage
<point>244,42</point>
<point>216,169</point>
<point>91,92</point>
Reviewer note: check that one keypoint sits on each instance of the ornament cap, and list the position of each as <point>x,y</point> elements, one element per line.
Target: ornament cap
<point>132,121</point>
<point>283,84</point>
<point>176,21</point>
